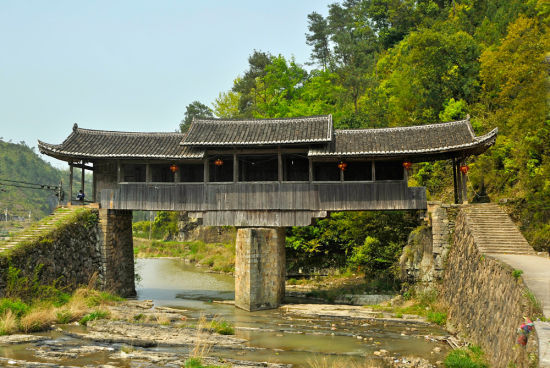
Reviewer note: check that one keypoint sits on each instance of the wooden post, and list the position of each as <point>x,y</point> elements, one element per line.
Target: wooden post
<point>148,173</point>
<point>118,171</point>
<point>373,171</point>
<point>177,175</point>
<point>82,176</point>
<point>455,183</point>
<point>70,183</point>
<point>279,165</point>
<point>206,171</point>
<point>464,188</point>
<point>310,170</point>
<point>341,173</point>
<point>235,168</point>
<point>93,187</point>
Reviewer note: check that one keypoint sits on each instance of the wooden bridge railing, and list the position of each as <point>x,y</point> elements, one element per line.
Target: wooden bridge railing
<point>265,196</point>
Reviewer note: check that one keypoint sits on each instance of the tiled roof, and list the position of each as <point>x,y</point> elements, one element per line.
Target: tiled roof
<point>218,132</point>
<point>415,140</point>
<point>90,144</point>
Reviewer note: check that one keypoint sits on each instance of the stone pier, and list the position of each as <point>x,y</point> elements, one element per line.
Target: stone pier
<point>260,268</point>
<point>117,253</point>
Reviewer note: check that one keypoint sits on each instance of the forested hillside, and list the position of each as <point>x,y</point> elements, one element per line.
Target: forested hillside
<point>386,63</point>
<point>20,168</point>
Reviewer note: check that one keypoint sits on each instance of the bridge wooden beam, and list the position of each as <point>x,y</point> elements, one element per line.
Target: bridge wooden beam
<point>80,166</point>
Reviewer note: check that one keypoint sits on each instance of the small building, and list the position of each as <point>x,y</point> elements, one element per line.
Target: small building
<point>271,172</point>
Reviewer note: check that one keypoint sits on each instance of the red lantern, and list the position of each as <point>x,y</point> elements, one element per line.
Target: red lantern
<point>173,168</point>
<point>218,162</point>
<point>464,169</point>
<point>342,166</point>
<point>407,165</point>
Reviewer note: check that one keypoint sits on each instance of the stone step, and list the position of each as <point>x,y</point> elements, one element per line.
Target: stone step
<point>518,249</point>
<point>503,246</point>
<point>504,252</point>
<point>496,238</point>
<point>489,222</point>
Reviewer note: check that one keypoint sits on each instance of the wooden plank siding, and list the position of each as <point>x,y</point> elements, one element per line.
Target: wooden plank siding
<point>258,204</point>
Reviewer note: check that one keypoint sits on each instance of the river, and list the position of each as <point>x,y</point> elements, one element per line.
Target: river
<point>292,339</point>
<point>277,335</point>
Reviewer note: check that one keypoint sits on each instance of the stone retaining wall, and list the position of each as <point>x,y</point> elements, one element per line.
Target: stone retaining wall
<point>485,302</point>
<point>423,260</point>
<point>90,242</point>
<point>68,254</point>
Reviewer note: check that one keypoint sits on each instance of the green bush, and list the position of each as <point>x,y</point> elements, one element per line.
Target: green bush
<point>29,289</point>
<point>222,327</point>
<point>517,273</point>
<point>92,316</point>
<point>64,316</point>
<point>197,363</point>
<point>17,307</point>
<point>472,357</point>
<point>437,317</point>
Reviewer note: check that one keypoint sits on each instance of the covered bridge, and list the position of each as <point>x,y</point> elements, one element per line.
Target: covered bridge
<point>273,172</point>
<point>260,175</point>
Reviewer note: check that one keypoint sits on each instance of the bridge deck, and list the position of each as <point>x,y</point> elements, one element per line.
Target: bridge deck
<point>266,197</point>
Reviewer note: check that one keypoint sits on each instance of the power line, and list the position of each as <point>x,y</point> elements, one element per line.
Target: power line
<point>29,183</point>
<point>38,186</point>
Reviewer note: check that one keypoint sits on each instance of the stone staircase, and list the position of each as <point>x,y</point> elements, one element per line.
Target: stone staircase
<point>495,232</point>
<point>39,228</point>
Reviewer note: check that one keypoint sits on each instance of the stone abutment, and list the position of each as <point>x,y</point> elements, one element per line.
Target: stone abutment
<point>117,252</point>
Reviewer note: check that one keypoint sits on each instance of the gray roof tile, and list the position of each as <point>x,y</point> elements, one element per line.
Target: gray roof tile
<point>219,132</point>
<point>93,144</point>
<point>421,139</point>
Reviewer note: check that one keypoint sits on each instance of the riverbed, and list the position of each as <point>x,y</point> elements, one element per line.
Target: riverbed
<point>301,335</point>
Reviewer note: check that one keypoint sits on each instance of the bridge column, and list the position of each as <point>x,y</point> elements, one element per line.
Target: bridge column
<point>117,253</point>
<point>260,268</point>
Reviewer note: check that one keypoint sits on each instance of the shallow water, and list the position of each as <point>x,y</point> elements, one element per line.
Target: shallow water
<point>288,338</point>
<point>276,336</point>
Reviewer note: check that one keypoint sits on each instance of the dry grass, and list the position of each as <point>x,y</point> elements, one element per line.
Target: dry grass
<point>38,319</point>
<point>78,305</point>
<point>162,320</point>
<point>8,323</point>
<point>202,345</point>
<point>343,363</point>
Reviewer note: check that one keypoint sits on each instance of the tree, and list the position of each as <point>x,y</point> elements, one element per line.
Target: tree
<point>318,39</point>
<point>355,47</point>
<point>195,109</point>
<point>246,86</point>
<point>276,90</point>
<point>226,106</point>
<point>424,71</point>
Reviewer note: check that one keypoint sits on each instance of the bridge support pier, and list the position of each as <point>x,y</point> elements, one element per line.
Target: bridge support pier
<point>117,253</point>
<point>260,268</point>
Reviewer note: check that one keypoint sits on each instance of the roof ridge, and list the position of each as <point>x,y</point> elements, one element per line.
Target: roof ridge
<point>412,127</point>
<point>100,131</point>
<point>254,120</point>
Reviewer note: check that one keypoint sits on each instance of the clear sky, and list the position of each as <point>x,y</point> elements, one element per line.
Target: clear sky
<point>131,65</point>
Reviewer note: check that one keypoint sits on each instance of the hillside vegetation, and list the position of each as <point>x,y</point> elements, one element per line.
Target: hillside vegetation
<point>19,162</point>
<point>388,63</point>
